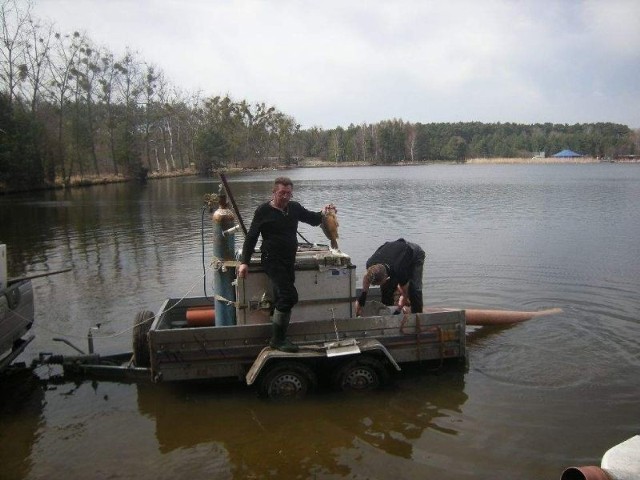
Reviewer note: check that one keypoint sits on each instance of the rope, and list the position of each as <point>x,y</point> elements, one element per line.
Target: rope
<point>126,330</point>
<point>418,332</point>
<point>220,298</point>
<point>117,334</point>
<point>302,236</point>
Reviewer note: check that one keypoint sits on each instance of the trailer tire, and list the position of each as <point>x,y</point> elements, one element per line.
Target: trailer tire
<point>288,381</point>
<point>141,325</point>
<point>362,374</point>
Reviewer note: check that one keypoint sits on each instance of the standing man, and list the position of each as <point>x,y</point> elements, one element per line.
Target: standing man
<point>395,265</point>
<point>277,222</point>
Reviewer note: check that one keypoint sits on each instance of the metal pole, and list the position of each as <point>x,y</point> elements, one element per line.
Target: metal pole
<point>223,250</point>
<point>233,202</point>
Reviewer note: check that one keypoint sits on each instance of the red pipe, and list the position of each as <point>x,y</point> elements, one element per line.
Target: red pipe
<point>201,316</point>
<point>487,318</point>
<point>504,317</point>
<point>585,473</point>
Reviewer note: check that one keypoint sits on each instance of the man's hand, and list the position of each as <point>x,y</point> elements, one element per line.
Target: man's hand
<point>402,301</point>
<point>358,309</point>
<point>403,304</point>
<point>243,270</point>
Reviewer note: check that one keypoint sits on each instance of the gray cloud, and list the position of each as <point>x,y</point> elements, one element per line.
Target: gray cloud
<point>334,63</point>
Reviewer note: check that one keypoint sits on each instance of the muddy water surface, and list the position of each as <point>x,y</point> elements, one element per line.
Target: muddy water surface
<point>531,400</point>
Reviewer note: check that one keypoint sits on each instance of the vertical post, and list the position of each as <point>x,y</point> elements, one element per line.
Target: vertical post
<point>3,267</point>
<point>223,250</point>
<point>90,341</point>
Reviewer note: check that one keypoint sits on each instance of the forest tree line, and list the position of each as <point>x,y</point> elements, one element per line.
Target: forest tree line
<point>393,141</point>
<point>72,109</point>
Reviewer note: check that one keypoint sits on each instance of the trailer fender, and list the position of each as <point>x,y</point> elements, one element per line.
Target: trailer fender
<point>372,345</point>
<point>269,353</point>
<point>312,351</point>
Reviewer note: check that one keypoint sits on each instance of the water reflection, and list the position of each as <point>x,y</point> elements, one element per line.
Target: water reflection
<point>511,237</point>
<point>255,436</point>
<point>21,409</point>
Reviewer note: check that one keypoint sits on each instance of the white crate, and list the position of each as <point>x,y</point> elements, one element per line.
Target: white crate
<point>326,284</point>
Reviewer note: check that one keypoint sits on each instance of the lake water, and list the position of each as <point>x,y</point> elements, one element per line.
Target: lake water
<point>534,398</point>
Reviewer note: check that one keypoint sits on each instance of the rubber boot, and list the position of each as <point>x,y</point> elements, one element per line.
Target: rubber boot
<point>279,340</point>
<point>276,336</point>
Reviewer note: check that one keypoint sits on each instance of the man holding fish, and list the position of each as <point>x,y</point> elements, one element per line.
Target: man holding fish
<point>277,222</point>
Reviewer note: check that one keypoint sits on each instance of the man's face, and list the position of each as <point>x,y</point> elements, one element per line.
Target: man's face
<point>281,195</point>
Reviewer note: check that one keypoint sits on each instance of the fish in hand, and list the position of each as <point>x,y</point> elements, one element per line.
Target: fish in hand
<point>330,226</point>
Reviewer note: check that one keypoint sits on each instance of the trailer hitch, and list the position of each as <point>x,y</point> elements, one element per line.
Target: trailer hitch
<point>89,341</point>
<point>64,340</point>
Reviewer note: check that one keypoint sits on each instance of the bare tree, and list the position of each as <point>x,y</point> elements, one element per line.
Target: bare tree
<point>109,74</point>
<point>14,28</point>
<point>193,121</point>
<point>163,140</point>
<point>411,140</point>
<point>65,55</point>
<point>335,145</point>
<point>285,128</point>
<point>376,142</point>
<point>167,98</point>
<point>37,60</point>
<point>87,77</point>
<point>179,115</point>
<point>362,141</point>
<point>129,87</point>
<point>149,94</point>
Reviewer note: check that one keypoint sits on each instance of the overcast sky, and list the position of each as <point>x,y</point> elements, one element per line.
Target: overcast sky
<point>336,62</point>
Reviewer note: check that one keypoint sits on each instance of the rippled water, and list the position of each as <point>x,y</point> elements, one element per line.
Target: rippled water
<point>533,399</point>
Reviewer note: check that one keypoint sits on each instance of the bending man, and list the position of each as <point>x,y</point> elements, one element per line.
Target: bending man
<point>395,265</point>
<point>277,222</point>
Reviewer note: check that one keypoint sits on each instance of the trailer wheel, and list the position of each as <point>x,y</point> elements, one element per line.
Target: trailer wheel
<point>361,374</point>
<point>288,381</point>
<point>141,325</point>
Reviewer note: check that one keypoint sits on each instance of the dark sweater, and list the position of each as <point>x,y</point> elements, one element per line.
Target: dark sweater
<point>399,258</point>
<point>278,230</point>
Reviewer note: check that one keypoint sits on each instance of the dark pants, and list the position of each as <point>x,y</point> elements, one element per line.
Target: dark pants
<point>283,277</point>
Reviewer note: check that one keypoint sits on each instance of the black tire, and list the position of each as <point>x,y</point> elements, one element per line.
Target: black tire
<point>361,374</point>
<point>141,326</point>
<point>288,381</point>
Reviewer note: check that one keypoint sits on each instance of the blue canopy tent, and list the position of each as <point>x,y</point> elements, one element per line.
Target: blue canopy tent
<point>567,154</point>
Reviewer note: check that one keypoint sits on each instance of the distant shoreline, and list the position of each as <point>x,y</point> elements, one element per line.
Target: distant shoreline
<point>534,161</point>
<point>92,180</point>
<point>315,163</point>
